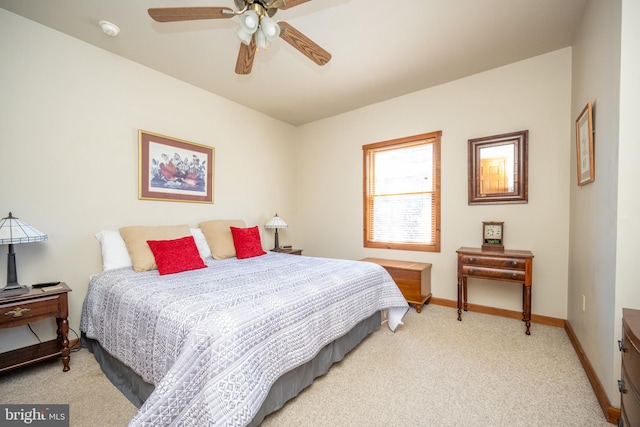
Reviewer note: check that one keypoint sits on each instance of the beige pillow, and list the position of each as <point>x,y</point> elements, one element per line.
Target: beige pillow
<point>219,238</point>
<point>136,240</point>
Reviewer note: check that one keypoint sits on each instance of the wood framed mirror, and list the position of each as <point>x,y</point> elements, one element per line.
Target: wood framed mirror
<point>498,169</point>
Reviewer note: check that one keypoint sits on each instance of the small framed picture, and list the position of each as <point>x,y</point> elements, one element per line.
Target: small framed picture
<point>584,146</point>
<point>174,170</point>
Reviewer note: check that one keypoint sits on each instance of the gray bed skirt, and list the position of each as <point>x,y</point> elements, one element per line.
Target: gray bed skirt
<point>285,388</point>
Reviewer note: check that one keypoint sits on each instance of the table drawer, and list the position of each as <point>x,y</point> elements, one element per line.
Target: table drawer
<point>493,273</point>
<point>513,263</point>
<point>30,311</point>
<point>630,399</point>
<point>631,357</point>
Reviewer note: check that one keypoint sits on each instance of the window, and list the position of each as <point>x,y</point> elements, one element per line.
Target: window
<point>402,193</point>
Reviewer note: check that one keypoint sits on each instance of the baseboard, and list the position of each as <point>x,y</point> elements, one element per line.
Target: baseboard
<point>535,318</point>
<point>611,413</point>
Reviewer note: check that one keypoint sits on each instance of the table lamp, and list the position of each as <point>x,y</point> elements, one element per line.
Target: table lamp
<point>276,222</point>
<point>12,232</point>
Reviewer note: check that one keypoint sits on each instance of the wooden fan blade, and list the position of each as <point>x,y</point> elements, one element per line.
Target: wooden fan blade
<point>171,14</point>
<point>304,44</point>
<point>291,3</point>
<point>245,57</point>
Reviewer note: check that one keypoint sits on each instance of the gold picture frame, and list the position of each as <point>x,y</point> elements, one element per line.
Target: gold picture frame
<point>584,145</point>
<point>174,170</point>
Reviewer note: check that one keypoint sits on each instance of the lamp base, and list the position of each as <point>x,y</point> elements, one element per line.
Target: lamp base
<point>13,288</point>
<point>13,291</point>
<point>276,246</point>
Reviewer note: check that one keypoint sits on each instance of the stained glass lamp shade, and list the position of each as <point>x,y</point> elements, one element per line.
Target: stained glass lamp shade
<point>12,232</point>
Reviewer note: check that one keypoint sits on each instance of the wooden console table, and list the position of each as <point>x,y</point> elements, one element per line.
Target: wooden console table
<point>508,266</point>
<point>38,304</point>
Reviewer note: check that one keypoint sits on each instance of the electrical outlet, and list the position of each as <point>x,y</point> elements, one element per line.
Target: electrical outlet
<point>584,303</point>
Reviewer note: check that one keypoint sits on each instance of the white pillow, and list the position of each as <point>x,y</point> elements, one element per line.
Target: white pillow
<point>201,243</point>
<point>114,250</point>
<point>116,255</point>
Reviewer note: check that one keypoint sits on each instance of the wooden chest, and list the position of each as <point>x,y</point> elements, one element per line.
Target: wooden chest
<point>413,279</point>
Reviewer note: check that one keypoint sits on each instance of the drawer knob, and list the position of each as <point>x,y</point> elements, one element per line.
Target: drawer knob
<point>17,312</point>
<point>514,263</point>
<point>514,275</point>
<point>471,271</point>
<point>621,346</point>
<point>621,386</point>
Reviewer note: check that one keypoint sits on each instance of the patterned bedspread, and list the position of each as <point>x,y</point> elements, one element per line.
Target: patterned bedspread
<point>213,341</point>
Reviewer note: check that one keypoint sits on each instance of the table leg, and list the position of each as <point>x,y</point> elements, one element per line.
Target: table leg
<point>464,291</point>
<point>527,308</point>
<point>63,330</point>
<point>459,299</point>
<point>524,304</point>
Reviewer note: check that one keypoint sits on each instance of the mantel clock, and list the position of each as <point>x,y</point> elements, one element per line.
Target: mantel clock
<point>492,236</point>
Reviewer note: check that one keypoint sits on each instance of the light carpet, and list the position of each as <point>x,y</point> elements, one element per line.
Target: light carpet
<point>434,371</point>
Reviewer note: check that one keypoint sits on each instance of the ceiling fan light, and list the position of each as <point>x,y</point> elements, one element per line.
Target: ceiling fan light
<point>270,28</point>
<point>249,21</point>
<point>244,36</point>
<point>261,40</point>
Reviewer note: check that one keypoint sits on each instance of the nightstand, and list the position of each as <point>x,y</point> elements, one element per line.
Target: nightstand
<point>289,251</point>
<point>38,304</point>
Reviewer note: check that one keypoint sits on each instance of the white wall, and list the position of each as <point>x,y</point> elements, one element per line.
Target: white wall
<point>533,94</point>
<point>594,207</point>
<point>69,144</point>
<point>628,226</point>
<point>628,292</point>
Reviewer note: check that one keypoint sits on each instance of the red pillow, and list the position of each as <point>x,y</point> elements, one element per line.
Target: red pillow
<point>174,256</point>
<point>247,242</point>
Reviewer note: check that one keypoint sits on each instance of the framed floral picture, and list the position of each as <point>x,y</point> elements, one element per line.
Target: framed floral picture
<point>584,146</point>
<point>174,170</point>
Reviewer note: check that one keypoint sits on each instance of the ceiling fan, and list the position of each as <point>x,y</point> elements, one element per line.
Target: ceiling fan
<point>257,28</point>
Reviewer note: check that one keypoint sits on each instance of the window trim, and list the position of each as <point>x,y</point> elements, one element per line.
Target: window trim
<point>434,247</point>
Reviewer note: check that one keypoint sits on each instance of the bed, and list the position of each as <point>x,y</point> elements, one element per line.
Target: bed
<point>228,343</point>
